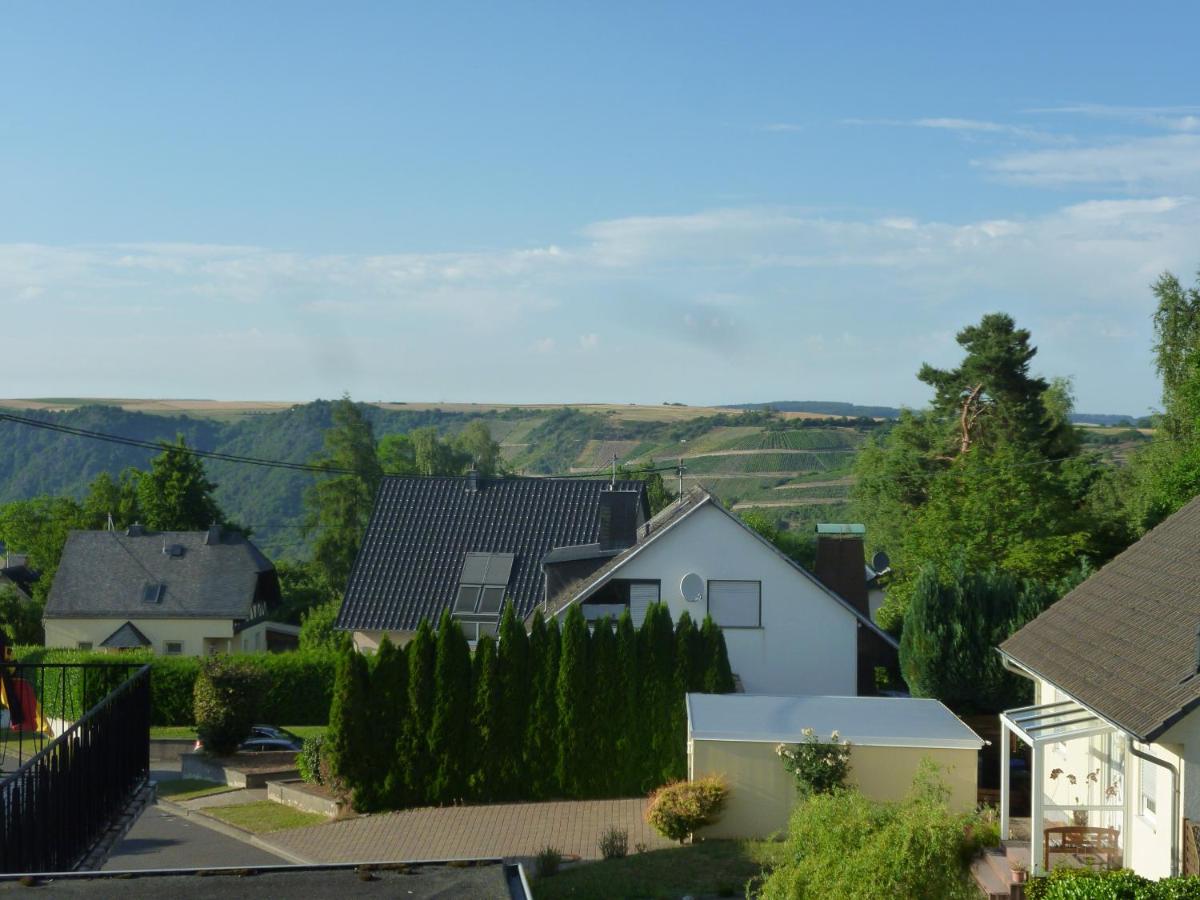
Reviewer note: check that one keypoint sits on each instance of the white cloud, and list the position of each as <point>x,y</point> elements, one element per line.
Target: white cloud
<point>963,126</point>
<point>1171,118</point>
<point>1133,163</point>
<point>783,127</point>
<point>545,345</point>
<point>589,341</point>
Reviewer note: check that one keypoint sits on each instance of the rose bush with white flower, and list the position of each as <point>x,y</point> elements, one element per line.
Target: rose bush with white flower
<point>819,767</point>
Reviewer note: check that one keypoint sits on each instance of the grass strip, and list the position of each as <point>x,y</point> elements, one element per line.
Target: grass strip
<point>190,788</point>
<point>265,815</point>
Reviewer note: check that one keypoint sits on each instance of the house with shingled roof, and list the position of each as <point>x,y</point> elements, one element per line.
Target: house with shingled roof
<point>468,543</point>
<point>787,630</point>
<point>1113,735</point>
<point>178,593</point>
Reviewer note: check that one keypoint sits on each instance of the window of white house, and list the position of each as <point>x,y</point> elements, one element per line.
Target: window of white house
<point>83,645</point>
<point>173,648</point>
<point>620,594</point>
<point>1148,792</point>
<point>735,604</point>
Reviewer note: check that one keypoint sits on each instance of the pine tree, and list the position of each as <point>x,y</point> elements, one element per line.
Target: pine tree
<point>415,760</point>
<point>574,705</point>
<point>516,699</point>
<point>389,699</point>
<point>718,679</point>
<point>450,730</point>
<point>486,718</point>
<point>604,780</point>
<point>627,718</point>
<point>348,742</point>
<point>656,669</point>
<point>176,495</point>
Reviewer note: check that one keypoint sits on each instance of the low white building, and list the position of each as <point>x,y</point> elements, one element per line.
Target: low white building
<point>1114,730</point>
<point>786,631</point>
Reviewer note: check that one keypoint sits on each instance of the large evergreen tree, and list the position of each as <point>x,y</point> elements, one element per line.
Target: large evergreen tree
<point>656,669</point>
<point>176,495</point>
<point>516,700</point>
<point>419,768</point>
<point>574,705</point>
<point>348,743</point>
<point>718,677</point>
<point>338,506</point>
<point>603,780</point>
<point>450,731</point>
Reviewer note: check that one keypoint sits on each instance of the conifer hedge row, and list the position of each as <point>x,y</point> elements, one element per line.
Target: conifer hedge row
<point>576,712</point>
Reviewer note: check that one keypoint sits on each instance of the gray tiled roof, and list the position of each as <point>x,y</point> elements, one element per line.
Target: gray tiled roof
<point>1123,643</point>
<point>411,557</point>
<point>104,573</point>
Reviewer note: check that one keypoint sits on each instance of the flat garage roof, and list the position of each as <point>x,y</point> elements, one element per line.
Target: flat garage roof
<point>866,721</point>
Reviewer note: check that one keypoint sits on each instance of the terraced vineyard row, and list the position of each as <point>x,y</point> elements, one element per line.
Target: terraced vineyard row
<point>833,460</point>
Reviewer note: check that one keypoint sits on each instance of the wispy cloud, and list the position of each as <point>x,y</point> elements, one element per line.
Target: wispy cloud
<point>783,127</point>
<point>967,127</point>
<point>1171,118</point>
<point>1172,160</point>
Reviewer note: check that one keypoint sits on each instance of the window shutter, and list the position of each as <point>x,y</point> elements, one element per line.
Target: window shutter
<point>640,598</point>
<point>735,604</point>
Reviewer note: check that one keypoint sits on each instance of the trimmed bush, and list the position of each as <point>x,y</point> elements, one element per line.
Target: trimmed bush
<point>1121,884</point>
<point>226,702</point>
<point>678,809</point>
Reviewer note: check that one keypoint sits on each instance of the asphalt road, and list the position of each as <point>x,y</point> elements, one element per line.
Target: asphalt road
<point>161,840</point>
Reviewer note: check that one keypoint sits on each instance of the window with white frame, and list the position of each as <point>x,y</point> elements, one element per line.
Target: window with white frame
<point>735,604</point>
<point>1148,790</point>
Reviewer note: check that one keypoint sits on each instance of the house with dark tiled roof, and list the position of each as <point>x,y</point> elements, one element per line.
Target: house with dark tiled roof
<point>787,630</point>
<point>174,592</point>
<point>1113,735</point>
<point>467,543</point>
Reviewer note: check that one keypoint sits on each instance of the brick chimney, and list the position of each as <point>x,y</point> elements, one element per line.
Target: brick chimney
<point>841,563</point>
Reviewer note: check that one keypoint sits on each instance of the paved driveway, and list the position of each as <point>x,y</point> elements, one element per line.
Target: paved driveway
<point>471,832</point>
<point>161,840</point>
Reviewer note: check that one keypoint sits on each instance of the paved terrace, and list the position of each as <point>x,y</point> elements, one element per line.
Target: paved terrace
<point>471,832</point>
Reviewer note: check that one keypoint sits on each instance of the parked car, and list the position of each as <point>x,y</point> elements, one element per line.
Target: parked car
<point>270,744</point>
<point>274,731</point>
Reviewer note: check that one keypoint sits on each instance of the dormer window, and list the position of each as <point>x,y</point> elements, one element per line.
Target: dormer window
<point>481,589</point>
<point>153,593</point>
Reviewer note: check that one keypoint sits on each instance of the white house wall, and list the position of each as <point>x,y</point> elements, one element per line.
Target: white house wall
<point>807,643</point>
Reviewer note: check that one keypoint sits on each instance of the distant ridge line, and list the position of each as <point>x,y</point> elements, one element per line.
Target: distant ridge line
<point>854,410</point>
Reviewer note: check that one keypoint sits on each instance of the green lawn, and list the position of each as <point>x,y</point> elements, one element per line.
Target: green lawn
<point>265,815</point>
<point>190,788</point>
<point>188,732</point>
<point>719,868</point>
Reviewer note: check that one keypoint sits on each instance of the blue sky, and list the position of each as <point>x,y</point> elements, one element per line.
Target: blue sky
<point>698,202</point>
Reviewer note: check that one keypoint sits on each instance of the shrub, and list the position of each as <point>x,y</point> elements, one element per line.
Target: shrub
<point>817,767</point>
<point>843,845</point>
<point>548,861</point>
<point>1121,884</point>
<point>678,809</point>
<point>310,761</point>
<point>614,843</point>
<point>226,702</point>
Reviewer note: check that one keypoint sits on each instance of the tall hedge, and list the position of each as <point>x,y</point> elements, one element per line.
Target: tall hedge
<point>605,689</point>
<point>541,733</point>
<point>389,711</point>
<point>487,717</point>
<point>348,739</point>
<point>628,723</point>
<point>516,691</point>
<point>414,738</point>
<point>575,758</point>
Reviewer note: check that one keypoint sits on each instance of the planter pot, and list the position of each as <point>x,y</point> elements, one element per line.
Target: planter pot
<point>1020,876</point>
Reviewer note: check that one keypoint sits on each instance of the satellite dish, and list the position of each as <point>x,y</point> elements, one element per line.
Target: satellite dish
<point>692,587</point>
<point>880,561</point>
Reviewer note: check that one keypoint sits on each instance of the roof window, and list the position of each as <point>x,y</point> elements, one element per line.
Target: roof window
<point>153,593</point>
<point>482,584</point>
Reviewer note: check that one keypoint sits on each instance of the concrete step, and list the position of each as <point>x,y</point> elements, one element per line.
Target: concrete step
<point>1000,861</point>
<point>990,884</point>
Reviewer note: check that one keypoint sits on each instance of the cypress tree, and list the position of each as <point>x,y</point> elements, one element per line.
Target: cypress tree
<point>450,730</point>
<point>415,759</point>
<point>541,739</point>
<point>656,669</point>
<point>718,679</point>
<point>627,716</point>
<point>574,705</point>
<point>516,701</point>
<point>604,773</point>
<point>389,699</point>
<point>687,677</point>
<point>486,718</point>
<point>348,744</point>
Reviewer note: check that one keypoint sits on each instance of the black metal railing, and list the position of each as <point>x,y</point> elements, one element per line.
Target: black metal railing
<point>59,802</point>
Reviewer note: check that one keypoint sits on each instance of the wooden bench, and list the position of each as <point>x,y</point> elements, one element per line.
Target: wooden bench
<point>1081,840</point>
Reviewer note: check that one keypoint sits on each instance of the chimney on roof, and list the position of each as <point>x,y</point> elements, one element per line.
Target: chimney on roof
<point>214,534</point>
<point>135,530</point>
<point>842,565</point>
<point>618,512</point>
<point>473,481</point>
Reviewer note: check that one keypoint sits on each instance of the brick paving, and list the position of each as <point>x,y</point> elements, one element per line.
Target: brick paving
<point>471,832</point>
